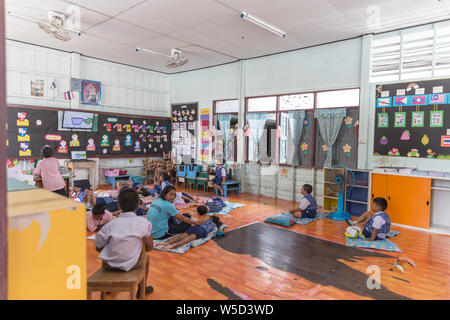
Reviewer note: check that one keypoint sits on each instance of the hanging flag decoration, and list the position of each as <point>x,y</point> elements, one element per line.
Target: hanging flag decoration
<point>68,95</point>
<point>53,84</point>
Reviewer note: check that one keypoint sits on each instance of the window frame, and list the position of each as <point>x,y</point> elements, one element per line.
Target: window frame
<point>314,124</point>
<point>214,123</point>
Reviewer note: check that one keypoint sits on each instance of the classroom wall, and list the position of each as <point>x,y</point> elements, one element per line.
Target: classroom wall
<point>326,67</point>
<point>125,89</point>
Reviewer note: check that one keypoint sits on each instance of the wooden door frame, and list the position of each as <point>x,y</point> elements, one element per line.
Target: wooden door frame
<point>3,183</point>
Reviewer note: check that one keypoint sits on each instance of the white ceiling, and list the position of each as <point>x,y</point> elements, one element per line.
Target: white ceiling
<point>211,32</point>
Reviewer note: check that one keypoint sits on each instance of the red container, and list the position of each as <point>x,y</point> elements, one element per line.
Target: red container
<point>123,172</point>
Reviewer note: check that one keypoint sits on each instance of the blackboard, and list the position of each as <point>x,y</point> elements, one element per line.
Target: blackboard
<point>412,119</point>
<point>29,128</point>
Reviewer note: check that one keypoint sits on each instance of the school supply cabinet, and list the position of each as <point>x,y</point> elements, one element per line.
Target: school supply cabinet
<point>408,198</point>
<point>46,246</point>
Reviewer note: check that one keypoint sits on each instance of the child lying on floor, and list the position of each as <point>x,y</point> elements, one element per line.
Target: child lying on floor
<point>211,206</point>
<point>198,231</point>
<point>376,226</point>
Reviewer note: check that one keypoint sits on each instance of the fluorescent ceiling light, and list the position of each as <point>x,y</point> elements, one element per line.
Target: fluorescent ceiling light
<point>263,24</point>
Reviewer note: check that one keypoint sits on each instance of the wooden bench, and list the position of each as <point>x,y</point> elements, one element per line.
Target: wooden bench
<point>230,185</point>
<point>112,281</point>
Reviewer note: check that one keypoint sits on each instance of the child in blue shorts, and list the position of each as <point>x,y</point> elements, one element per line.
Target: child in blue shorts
<point>199,231</point>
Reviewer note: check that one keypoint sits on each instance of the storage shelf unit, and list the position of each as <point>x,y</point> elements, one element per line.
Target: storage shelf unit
<point>331,197</point>
<point>357,200</point>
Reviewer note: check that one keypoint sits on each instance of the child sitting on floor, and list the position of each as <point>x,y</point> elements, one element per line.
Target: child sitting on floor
<point>97,218</point>
<point>376,226</point>
<point>308,205</point>
<point>120,241</point>
<point>199,231</point>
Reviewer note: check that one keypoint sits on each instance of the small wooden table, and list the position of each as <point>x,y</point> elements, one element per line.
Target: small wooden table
<point>112,180</point>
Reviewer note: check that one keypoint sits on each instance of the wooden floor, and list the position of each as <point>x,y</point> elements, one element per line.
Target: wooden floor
<point>210,272</point>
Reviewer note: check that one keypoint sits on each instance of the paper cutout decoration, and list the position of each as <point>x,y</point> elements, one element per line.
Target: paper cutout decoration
<point>22,121</point>
<point>127,127</point>
<point>38,122</point>
<point>413,153</point>
<point>112,119</point>
<point>143,128</point>
<point>135,128</point>
<point>383,120</point>
<point>91,145</point>
<point>405,135</point>
<point>23,136</point>
<point>137,147</point>
<point>118,127</point>
<point>108,126</point>
<point>384,141</point>
<point>306,123</point>
<point>325,148</point>
<point>74,142</point>
<point>24,151</point>
<point>412,86</point>
<point>304,147</point>
<point>63,147</point>
<point>233,167</point>
<point>143,137</point>
<point>348,121</point>
<point>418,119</point>
<point>400,120</point>
<point>431,154</point>
<point>105,151</point>
<point>105,141</point>
<point>116,146</point>
<point>436,119</point>
<point>347,149</point>
<point>37,88</point>
<point>284,172</point>
<point>128,141</point>
<point>425,140</point>
<point>394,152</point>
<point>445,141</point>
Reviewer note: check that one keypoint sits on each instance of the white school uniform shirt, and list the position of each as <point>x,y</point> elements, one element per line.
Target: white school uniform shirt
<point>304,203</point>
<point>121,240</point>
<point>224,171</point>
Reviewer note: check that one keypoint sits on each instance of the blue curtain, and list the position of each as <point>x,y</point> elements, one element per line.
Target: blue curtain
<point>296,128</point>
<point>224,122</point>
<point>330,121</point>
<point>256,123</point>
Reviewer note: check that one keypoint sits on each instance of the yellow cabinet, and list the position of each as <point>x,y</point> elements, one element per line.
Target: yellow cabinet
<point>46,246</point>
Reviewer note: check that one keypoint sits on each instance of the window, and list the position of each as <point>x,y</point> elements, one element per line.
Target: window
<point>231,108</point>
<point>415,53</point>
<point>338,99</point>
<point>262,104</point>
<point>310,149</point>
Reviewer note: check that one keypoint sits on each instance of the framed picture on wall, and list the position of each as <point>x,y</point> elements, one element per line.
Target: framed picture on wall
<point>418,119</point>
<point>436,119</point>
<point>91,92</point>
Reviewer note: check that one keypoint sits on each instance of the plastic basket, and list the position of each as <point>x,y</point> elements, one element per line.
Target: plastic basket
<point>111,172</point>
<point>122,172</point>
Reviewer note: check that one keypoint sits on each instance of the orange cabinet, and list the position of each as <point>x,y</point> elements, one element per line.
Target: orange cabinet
<point>408,198</point>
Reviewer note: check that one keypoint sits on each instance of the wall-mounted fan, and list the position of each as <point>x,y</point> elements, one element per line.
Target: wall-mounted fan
<point>339,179</point>
<point>175,58</point>
<point>56,25</point>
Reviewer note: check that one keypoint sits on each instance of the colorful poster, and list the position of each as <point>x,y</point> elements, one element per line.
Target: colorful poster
<point>400,120</point>
<point>383,120</point>
<point>436,119</point>
<point>418,119</point>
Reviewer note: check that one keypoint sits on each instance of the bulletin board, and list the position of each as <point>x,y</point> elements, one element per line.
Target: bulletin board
<point>184,142</point>
<point>412,119</point>
<point>112,135</point>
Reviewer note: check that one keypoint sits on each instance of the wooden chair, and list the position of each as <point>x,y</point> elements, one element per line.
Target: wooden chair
<point>112,281</point>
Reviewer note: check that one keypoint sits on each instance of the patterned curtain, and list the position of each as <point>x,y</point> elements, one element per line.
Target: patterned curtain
<point>330,121</point>
<point>296,128</point>
<point>224,121</point>
<point>256,123</point>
